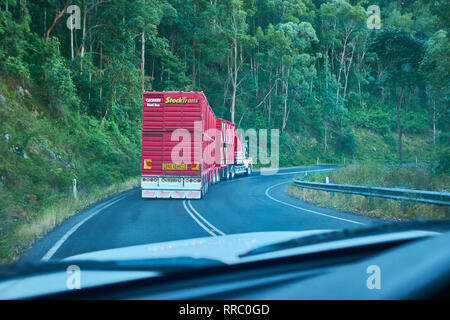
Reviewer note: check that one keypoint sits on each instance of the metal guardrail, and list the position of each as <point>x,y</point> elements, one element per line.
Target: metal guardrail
<point>432,197</point>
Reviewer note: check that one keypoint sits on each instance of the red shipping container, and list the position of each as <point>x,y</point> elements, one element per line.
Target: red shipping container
<point>177,146</point>
<point>225,147</point>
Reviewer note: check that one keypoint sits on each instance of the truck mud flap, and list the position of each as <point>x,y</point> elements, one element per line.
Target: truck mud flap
<point>148,194</point>
<point>174,194</point>
<point>193,194</point>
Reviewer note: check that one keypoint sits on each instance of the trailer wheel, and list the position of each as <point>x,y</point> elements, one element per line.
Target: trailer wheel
<point>233,173</point>
<point>228,173</point>
<point>202,189</point>
<point>217,176</point>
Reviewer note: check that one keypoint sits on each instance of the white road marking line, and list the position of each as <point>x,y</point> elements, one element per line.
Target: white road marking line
<point>283,173</point>
<point>61,241</point>
<point>300,208</point>
<point>196,220</point>
<point>204,220</point>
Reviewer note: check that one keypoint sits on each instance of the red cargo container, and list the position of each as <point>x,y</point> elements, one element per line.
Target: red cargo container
<point>177,129</point>
<point>225,147</point>
<point>185,148</point>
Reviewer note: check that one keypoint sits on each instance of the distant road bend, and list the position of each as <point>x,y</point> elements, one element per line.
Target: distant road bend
<point>244,204</point>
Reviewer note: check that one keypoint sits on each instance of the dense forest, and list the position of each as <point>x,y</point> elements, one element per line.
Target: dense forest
<point>336,80</point>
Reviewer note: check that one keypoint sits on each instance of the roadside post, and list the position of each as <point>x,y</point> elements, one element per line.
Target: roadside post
<point>74,188</point>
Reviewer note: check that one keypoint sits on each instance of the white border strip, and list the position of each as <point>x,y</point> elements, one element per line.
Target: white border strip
<point>303,209</point>
<point>283,173</point>
<point>61,241</point>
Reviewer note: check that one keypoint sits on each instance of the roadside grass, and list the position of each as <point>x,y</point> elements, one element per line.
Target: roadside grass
<point>25,233</point>
<point>377,175</point>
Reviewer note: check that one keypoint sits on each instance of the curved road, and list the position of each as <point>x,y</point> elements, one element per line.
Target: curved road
<point>245,204</point>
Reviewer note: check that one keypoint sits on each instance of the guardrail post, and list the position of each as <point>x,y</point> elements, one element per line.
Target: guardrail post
<point>74,188</point>
<point>327,181</point>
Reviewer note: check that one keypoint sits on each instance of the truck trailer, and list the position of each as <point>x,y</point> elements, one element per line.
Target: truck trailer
<point>185,148</point>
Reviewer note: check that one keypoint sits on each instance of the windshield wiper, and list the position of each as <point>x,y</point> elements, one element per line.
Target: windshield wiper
<point>162,265</point>
<point>433,226</point>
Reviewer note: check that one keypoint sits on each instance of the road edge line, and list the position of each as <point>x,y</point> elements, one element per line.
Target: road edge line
<point>300,208</point>
<point>47,256</point>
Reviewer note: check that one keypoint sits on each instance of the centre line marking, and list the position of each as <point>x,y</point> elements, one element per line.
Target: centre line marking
<point>206,225</point>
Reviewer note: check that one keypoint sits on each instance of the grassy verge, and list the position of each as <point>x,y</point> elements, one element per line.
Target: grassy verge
<point>25,233</point>
<point>377,175</point>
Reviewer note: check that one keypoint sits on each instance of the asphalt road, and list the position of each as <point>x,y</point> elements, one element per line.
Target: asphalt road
<point>244,204</point>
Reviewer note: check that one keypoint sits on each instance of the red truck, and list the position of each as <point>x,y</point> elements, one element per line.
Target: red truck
<point>185,148</point>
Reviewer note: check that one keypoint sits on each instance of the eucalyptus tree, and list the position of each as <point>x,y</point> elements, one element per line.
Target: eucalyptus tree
<point>400,53</point>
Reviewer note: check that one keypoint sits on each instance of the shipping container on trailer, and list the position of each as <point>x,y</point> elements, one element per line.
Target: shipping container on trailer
<point>225,148</point>
<point>185,148</point>
<point>177,161</point>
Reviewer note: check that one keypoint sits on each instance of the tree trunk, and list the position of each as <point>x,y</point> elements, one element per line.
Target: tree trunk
<point>399,124</point>
<point>143,61</point>
<point>57,17</point>
<point>83,37</point>
<point>194,44</point>
<point>71,40</point>
<point>285,92</point>
<point>434,122</point>
<point>234,82</point>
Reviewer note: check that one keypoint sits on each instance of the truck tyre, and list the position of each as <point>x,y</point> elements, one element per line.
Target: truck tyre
<point>202,189</point>
<point>232,173</point>
<point>228,174</point>
<point>217,176</point>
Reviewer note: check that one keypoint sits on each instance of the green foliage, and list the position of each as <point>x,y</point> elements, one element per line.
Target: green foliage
<point>14,43</point>
<point>379,175</point>
<point>419,177</point>
<point>442,158</point>
<point>60,89</point>
<point>310,68</point>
